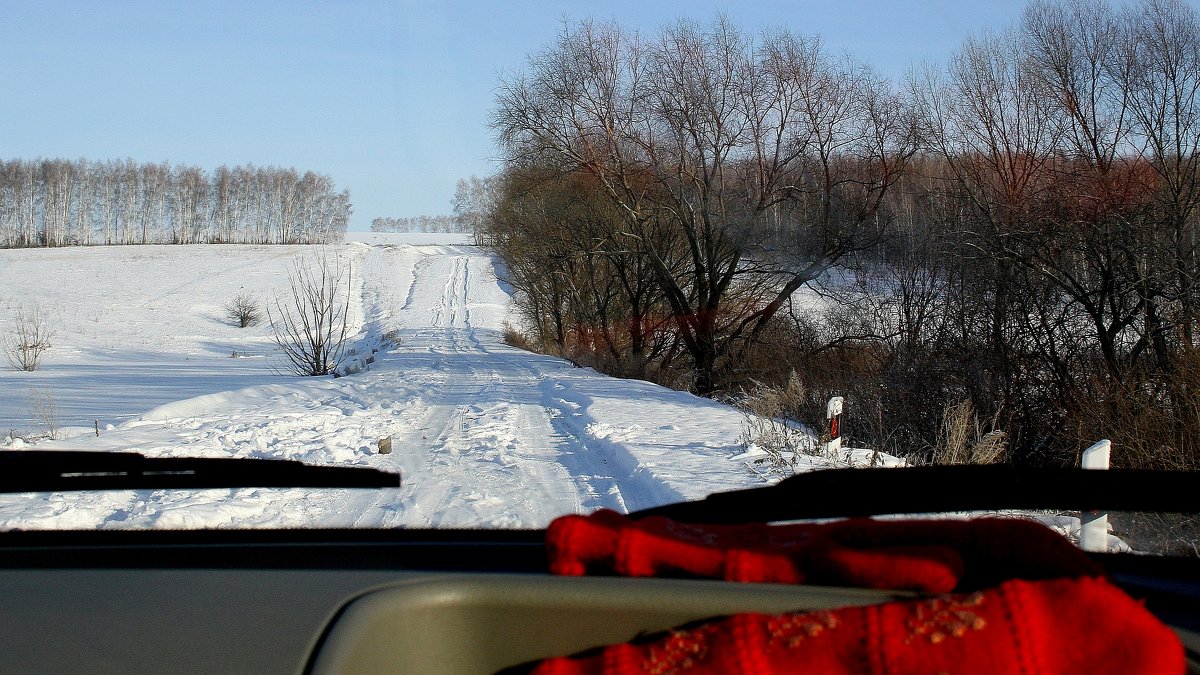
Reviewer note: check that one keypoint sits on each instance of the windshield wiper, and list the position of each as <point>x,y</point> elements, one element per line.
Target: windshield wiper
<point>846,493</point>
<point>62,471</point>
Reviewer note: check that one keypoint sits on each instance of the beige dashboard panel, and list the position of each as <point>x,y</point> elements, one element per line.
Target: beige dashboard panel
<point>480,624</point>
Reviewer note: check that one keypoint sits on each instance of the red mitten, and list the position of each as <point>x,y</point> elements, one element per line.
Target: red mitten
<point>1079,626</point>
<point>934,556</point>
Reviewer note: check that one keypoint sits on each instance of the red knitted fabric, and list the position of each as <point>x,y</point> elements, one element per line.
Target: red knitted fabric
<point>1082,626</point>
<point>935,556</point>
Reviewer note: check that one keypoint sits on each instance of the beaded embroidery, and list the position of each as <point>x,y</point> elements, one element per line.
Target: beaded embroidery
<point>683,649</point>
<point>949,616</point>
<point>792,629</point>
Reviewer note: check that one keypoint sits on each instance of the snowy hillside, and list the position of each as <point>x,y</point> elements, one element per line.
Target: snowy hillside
<point>484,434</point>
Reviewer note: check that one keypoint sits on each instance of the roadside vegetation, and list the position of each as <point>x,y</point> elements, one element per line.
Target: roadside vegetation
<point>998,255</point>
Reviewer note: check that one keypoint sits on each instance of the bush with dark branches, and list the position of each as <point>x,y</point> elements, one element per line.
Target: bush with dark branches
<point>30,337</point>
<point>243,311</point>
<point>312,324</point>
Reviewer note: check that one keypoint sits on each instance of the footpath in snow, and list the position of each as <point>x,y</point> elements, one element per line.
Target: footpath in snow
<point>483,434</point>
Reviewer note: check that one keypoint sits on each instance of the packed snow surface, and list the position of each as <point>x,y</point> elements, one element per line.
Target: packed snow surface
<point>143,358</point>
<point>483,434</point>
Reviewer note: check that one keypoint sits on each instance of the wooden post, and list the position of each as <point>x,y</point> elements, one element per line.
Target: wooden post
<point>1093,525</point>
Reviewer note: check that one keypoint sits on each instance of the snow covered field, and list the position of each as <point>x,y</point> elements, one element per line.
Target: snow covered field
<point>483,434</point>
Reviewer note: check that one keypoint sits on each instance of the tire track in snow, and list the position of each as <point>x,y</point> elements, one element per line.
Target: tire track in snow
<point>483,465</point>
<point>415,274</point>
<point>498,434</point>
<point>612,476</point>
<point>491,447</point>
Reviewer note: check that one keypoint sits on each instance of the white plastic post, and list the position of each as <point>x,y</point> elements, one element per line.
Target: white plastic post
<point>1093,525</point>
<point>833,413</point>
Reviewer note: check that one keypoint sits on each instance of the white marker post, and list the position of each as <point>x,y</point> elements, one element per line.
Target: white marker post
<point>1093,525</point>
<point>833,413</point>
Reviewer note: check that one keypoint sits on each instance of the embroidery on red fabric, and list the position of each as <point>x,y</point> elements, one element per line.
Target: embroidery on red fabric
<point>792,629</point>
<point>948,616</point>
<point>680,651</point>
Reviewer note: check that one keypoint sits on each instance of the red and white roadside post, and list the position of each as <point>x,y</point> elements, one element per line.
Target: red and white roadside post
<point>1093,525</point>
<point>833,413</point>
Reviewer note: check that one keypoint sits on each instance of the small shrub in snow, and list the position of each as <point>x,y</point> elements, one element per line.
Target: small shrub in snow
<point>963,440</point>
<point>44,410</point>
<point>768,428</point>
<point>781,401</point>
<point>990,448</point>
<point>1176,534</point>
<point>773,425</point>
<point>782,444</point>
<point>515,338</point>
<point>30,337</point>
<point>390,339</point>
<point>312,325</point>
<point>243,311</point>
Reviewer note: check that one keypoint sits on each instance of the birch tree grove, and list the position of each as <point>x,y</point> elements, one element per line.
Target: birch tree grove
<point>55,202</point>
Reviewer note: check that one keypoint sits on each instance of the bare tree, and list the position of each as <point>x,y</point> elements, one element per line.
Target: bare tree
<point>1158,71</point>
<point>583,286</point>
<point>30,337</point>
<point>312,324</point>
<point>741,172</point>
<point>156,186</point>
<point>243,310</point>
<point>43,408</point>
<point>473,199</point>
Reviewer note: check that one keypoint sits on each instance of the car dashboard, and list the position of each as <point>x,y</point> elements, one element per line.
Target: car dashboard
<point>360,601</point>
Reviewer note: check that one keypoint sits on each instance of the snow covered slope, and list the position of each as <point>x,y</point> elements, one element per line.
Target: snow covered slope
<point>484,434</point>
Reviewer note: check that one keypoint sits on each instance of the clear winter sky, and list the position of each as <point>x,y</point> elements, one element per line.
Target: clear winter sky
<point>389,98</point>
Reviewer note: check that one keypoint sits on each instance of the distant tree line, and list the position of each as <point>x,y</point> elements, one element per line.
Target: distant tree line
<point>1014,234</point>
<point>417,224</point>
<point>56,202</point>
<point>473,197</point>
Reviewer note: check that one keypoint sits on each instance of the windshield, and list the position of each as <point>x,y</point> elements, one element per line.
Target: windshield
<point>541,259</point>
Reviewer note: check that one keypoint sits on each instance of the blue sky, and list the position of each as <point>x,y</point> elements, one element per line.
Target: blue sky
<point>389,98</point>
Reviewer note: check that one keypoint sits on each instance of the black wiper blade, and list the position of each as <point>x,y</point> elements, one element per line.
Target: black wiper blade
<point>65,471</point>
<point>846,493</point>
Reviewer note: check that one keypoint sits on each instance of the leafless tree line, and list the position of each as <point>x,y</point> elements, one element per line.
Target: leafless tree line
<point>734,172</point>
<point>1016,229</point>
<point>418,224</point>
<point>56,202</point>
<point>474,197</point>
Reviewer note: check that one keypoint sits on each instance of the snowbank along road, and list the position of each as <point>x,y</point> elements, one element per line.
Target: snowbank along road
<point>484,434</point>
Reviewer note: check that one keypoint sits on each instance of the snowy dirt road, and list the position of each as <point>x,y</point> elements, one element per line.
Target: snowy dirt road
<point>483,434</point>
<point>486,441</point>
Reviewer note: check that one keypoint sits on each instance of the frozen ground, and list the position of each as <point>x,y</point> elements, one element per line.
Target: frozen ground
<point>484,434</point>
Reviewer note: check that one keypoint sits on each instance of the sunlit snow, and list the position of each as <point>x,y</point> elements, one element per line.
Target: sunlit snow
<point>484,434</point>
